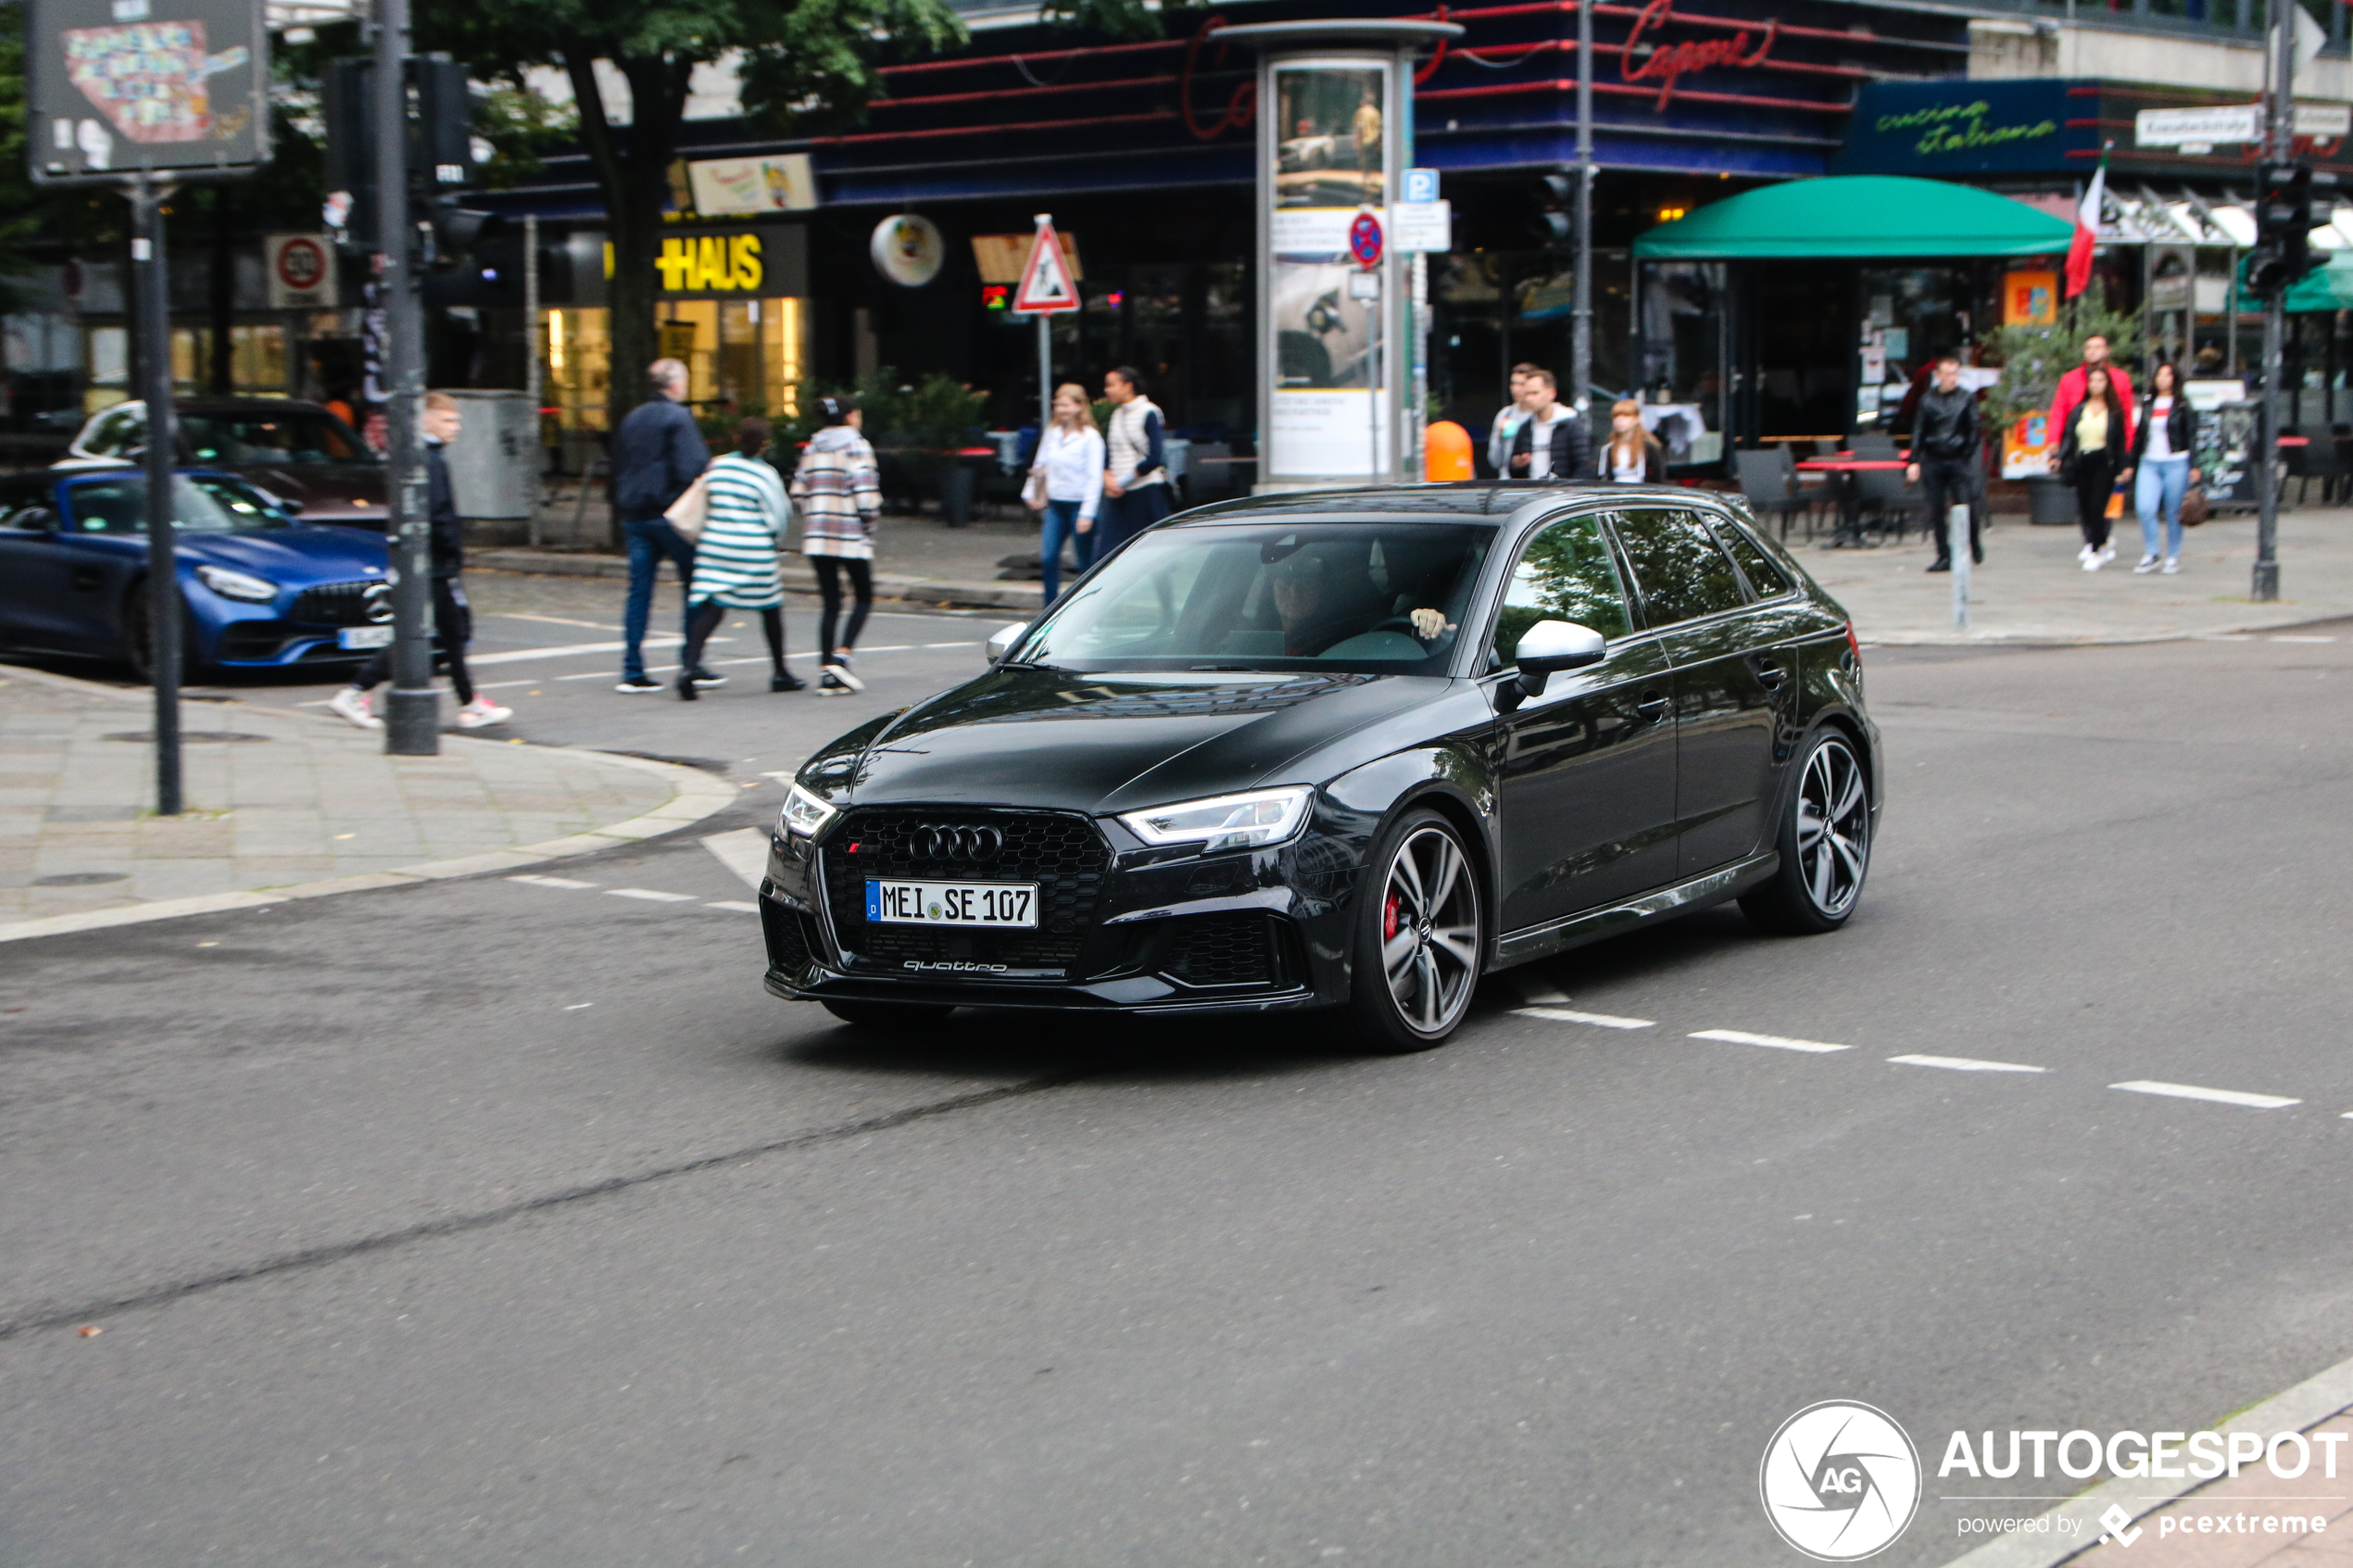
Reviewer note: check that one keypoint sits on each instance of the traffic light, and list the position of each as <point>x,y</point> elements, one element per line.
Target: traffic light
<point>2283,227</point>
<point>440,147</point>
<point>1555,220</point>
<point>457,231</point>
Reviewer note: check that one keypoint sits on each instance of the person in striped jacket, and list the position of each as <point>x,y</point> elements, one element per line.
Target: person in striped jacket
<point>736,558</point>
<point>839,491</point>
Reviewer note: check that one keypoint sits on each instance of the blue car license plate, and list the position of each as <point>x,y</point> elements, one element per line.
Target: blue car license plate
<point>952,903</point>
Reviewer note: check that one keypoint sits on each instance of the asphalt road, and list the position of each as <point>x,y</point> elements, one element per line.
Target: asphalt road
<point>508,1221</point>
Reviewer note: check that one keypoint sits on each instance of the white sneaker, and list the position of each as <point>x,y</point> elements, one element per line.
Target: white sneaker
<point>2086,552</point>
<point>356,706</point>
<point>2107,552</point>
<point>841,672</point>
<point>481,712</point>
<point>2172,566</point>
<point>2147,565</point>
<point>2091,560</point>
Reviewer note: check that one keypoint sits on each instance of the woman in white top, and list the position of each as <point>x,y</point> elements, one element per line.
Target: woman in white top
<point>1070,462</point>
<point>1632,454</point>
<point>2161,451</point>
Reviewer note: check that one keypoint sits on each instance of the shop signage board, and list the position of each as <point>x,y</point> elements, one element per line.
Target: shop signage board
<point>1946,127</point>
<point>118,86</point>
<point>769,261</point>
<point>733,187</point>
<point>301,270</point>
<point>1645,58</point>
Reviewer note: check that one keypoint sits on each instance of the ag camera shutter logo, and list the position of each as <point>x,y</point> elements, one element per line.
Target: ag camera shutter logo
<point>1840,1481</point>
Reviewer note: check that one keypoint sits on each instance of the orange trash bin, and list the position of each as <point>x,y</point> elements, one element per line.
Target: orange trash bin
<point>1446,452</point>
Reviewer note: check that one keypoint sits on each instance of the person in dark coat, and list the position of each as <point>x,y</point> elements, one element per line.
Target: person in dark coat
<point>452,616</point>
<point>1945,462</point>
<point>2094,451</point>
<point>656,453</point>
<point>1554,443</point>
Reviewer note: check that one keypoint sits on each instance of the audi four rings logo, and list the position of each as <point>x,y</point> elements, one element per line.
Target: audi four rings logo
<point>934,843</point>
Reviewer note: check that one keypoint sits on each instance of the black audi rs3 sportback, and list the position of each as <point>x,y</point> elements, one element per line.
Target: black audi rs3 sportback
<point>1342,750</point>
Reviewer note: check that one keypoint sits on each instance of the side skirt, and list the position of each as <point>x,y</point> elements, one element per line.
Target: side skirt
<point>1542,941</point>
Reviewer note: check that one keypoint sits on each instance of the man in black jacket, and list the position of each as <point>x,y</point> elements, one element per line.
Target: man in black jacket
<point>1945,460</point>
<point>452,616</point>
<point>656,453</point>
<point>1553,443</point>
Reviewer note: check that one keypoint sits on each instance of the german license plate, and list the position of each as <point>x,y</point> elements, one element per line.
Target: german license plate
<point>364,637</point>
<point>952,903</point>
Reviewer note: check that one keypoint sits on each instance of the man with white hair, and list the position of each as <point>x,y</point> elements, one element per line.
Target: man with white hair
<point>656,453</point>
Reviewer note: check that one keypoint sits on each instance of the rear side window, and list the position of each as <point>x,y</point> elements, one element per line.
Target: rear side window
<point>1679,569</point>
<point>114,434</point>
<point>1564,574</point>
<point>1767,580</point>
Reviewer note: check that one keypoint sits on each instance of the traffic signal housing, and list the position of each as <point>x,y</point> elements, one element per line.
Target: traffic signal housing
<point>440,148</point>
<point>2283,227</point>
<point>1555,220</point>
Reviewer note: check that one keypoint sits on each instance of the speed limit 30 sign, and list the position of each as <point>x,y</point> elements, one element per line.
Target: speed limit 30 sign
<point>302,271</point>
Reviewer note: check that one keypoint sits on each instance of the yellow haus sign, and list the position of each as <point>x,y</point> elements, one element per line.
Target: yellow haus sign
<point>710,264</point>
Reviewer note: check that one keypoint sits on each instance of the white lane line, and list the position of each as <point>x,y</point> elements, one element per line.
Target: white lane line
<point>1779,1042</point>
<point>737,905</point>
<point>744,852</point>
<point>1965,1064</point>
<point>2303,639</point>
<point>2220,1096</point>
<point>578,1006</point>
<point>972,644</point>
<point>517,656</point>
<point>1599,1020</point>
<point>649,894</point>
<point>553,620</point>
<point>551,881</point>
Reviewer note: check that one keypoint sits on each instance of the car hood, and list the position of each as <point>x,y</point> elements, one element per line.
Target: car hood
<point>296,556</point>
<point>325,490</point>
<point>1114,742</point>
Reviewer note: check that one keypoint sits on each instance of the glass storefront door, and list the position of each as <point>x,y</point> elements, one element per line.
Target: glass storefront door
<point>742,356</point>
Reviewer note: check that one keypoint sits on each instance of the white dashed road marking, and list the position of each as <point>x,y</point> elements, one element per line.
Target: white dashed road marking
<point>737,905</point>
<point>2303,639</point>
<point>552,882</point>
<point>649,894</point>
<point>2220,1096</point>
<point>1965,1064</point>
<point>1599,1020</point>
<point>1778,1041</point>
<point>744,852</point>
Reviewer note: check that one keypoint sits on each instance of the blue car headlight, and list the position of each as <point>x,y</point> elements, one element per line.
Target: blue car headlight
<point>237,584</point>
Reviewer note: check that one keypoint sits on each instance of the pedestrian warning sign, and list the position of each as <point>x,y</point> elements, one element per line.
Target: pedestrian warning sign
<point>1046,284</point>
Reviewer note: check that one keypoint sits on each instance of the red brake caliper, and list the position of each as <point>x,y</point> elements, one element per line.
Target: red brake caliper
<point>1389,919</point>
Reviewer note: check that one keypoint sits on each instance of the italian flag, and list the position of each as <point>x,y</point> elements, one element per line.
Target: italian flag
<point>2087,232</point>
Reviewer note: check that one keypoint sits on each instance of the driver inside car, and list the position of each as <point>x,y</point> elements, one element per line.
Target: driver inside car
<point>1315,616</point>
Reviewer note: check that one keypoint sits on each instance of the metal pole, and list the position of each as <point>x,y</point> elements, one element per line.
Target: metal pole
<point>154,305</point>
<point>1580,342</point>
<point>412,720</point>
<point>1045,375</point>
<point>534,369</point>
<point>2280,144</point>
<point>1963,559</point>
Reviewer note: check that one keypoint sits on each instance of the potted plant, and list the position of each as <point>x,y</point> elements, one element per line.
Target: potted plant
<point>933,421</point>
<point>2032,359</point>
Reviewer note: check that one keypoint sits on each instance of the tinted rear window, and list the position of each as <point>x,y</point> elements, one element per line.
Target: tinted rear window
<point>1679,569</point>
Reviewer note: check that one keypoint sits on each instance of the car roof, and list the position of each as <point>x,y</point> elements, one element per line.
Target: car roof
<point>238,406</point>
<point>1476,500</point>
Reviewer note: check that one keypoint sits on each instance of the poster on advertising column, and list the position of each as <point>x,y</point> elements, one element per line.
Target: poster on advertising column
<point>1327,409</point>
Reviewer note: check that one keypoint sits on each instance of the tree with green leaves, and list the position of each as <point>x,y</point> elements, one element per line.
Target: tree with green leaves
<point>2034,357</point>
<point>805,65</point>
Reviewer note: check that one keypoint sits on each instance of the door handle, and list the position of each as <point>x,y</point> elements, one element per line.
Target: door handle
<point>1770,675</point>
<point>1653,707</point>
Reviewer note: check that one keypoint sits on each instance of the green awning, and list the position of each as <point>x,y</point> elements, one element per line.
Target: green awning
<point>1857,217</point>
<point>2325,288</point>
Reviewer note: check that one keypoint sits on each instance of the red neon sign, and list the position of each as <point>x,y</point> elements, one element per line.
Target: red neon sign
<point>1667,62</point>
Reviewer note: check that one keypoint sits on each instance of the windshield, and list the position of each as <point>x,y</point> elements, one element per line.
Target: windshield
<point>204,504</point>
<point>300,435</point>
<point>1379,598</point>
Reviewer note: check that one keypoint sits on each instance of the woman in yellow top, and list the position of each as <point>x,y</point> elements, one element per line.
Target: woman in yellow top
<point>2094,454</point>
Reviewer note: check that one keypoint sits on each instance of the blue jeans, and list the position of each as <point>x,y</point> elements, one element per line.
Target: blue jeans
<point>2162,481</point>
<point>1062,522</point>
<point>650,542</point>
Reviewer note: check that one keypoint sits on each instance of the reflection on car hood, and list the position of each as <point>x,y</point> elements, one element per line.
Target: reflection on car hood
<point>325,490</point>
<point>1114,742</point>
<point>296,556</point>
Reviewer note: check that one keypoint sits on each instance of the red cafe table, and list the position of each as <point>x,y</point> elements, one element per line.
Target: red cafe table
<point>1843,468</point>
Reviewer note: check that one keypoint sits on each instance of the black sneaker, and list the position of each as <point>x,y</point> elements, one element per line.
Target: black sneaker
<point>786,681</point>
<point>706,678</point>
<point>687,692</point>
<point>639,684</point>
<point>1941,566</point>
<point>840,673</point>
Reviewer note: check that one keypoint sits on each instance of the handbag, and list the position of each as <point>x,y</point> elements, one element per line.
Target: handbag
<point>2195,507</point>
<point>691,511</point>
<point>1033,494</point>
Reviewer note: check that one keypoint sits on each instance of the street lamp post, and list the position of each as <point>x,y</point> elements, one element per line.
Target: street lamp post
<point>1581,348</point>
<point>2279,146</point>
<point>153,302</point>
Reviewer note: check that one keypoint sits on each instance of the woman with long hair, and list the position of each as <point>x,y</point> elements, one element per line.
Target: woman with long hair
<point>839,492</point>
<point>2096,448</point>
<point>1068,476</point>
<point>735,557</point>
<point>1632,454</point>
<point>2161,449</point>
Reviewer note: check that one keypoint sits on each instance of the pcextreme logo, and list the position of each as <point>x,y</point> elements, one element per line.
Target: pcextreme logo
<point>1840,1481</point>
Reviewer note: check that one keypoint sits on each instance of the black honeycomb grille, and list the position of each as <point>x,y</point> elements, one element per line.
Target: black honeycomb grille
<point>337,604</point>
<point>1064,855</point>
<point>1230,950</point>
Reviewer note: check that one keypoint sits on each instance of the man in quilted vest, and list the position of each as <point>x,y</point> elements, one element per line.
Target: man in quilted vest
<point>1136,463</point>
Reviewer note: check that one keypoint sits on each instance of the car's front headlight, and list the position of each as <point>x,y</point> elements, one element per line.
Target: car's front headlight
<point>803,814</point>
<point>237,584</point>
<point>1225,822</point>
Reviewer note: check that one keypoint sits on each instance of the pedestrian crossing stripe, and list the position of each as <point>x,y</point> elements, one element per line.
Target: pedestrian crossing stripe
<point>1046,284</point>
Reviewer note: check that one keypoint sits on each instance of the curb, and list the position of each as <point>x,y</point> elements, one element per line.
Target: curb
<point>797,579</point>
<point>698,796</point>
<point>2295,1410</point>
<point>2120,639</point>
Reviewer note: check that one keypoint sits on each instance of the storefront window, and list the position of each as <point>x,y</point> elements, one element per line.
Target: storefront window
<point>1911,315</point>
<point>580,366</point>
<point>256,360</point>
<point>742,356</point>
<point>1684,347</point>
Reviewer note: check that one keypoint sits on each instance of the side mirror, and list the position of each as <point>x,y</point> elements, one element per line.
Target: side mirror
<point>1003,643</point>
<point>1549,646</point>
<point>37,520</point>
<point>292,508</point>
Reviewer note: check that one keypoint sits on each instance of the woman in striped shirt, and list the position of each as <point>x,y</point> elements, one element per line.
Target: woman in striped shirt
<point>736,558</point>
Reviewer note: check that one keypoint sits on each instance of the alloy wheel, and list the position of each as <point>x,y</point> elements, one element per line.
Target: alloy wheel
<point>1833,828</point>
<point>1429,931</point>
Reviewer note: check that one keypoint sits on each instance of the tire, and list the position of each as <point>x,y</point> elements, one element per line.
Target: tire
<point>1825,840</point>
<point>886,1015</point>
<point>138,645</point>
<point>1420,937</point>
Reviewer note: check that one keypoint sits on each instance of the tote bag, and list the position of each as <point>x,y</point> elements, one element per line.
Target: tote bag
<point>691,511</point>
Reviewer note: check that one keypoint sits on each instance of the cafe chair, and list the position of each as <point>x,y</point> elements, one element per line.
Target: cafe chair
<point>1875,444</point>
<point>1768,482</point>
<point>1887,501</point>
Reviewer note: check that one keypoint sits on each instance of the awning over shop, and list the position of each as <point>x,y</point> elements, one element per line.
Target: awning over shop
<point>1856,216</point>
<point>2325,288</point>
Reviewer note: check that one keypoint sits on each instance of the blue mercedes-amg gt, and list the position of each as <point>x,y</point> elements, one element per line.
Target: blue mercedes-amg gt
<point>262,589</point>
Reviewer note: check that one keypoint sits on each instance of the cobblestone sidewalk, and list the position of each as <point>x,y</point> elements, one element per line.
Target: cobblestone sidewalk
<point>283,805</point>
